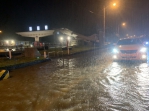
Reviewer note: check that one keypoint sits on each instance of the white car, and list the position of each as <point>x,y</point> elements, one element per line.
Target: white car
<point>130,49</point>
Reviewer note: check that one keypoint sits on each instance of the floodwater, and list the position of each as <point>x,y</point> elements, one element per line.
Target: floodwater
<point>83,82</point>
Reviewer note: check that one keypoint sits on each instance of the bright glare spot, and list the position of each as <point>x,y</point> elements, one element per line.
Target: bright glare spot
<point>46,27</point>
<point>143,56</point>
<point>146,42</point>
<point>61,38</point>
<point>143,49</point>
<point>7,41</point>
<point>114,4</point>
<point>31,45</point>
<point>12,41</point>
<point>115,64</point>
<point>30,29</point>
<point>68,38</point>
<point>123,24</point>
<point>38,27</point>
<point>115,50</point>
<point>115,57</point>
<point>144,65</point>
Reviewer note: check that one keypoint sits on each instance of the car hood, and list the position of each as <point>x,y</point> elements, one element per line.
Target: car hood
<point>129,47</point>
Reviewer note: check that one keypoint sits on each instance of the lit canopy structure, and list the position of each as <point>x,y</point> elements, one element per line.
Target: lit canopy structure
<point>36,34</point>
<point>64,31</point>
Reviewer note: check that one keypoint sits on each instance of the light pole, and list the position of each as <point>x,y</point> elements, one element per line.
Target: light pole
<point>104,22</point>
<point>118,30</point>
<point>68,39</point>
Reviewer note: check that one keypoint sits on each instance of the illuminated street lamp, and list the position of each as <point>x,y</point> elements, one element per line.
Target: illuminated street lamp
<point>114,4</point>
<point>7,41</point>
<point>61,39</point>
<point>121,25</point>
<point>104,21</point>
<point>68,38</point>
<point>0,31</point>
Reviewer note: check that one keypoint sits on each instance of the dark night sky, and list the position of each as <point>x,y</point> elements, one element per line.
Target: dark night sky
<point>75,15</point>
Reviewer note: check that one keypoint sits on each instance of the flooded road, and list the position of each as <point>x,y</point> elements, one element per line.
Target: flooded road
<point>84,82</point>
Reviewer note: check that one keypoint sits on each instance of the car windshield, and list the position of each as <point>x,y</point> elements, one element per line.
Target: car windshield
<point>129,41</point>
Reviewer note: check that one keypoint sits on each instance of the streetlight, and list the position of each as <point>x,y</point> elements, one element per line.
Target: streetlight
<point>123,25</point>
<point>0,31</point>
<point>61,39</point>
<point>114,4</point>
<point>104,21</point>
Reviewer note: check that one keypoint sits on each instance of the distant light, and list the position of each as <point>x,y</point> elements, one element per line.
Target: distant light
<point>115,57</point>
<point>7,41</point>
<point>123,24</point>
<point>143,56</point>
<point>30,29</point>
<point>31,45</point>
<point>38,27</point>
<point>61,38</point>
<point>57,32</point>
<point>146,43</point>
<point>46,27</point>
<point>68,38</point>
<point>12,41</point>
<point>114,4</point>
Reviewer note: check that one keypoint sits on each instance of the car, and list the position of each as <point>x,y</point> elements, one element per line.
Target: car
<point>129,49</point>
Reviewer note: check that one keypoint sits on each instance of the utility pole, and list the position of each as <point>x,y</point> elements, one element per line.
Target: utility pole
<point>104,24</point>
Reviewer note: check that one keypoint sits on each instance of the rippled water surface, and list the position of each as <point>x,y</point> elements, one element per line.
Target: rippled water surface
<point>84,82</point>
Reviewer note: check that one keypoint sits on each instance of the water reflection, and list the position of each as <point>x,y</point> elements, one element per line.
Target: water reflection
<point>82,83</point>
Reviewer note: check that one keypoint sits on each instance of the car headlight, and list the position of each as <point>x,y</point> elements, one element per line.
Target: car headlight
<point>143,49</point>
<point>115,50</point>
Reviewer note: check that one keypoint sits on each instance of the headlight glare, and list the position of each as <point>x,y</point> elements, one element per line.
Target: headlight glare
<point>143,49</point>
<point>115,51</point>
<point>143,56</point>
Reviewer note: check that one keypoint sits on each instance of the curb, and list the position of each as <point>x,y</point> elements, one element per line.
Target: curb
<point>24,64</point>
<point>4,74</point>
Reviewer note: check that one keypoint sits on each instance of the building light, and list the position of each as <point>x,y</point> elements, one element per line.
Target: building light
<point>12,41</point>
<point>30,28</point>
<point>68,38</point>
<point>38,27</point>
<point>7,41</point>
<point>46,27</point>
